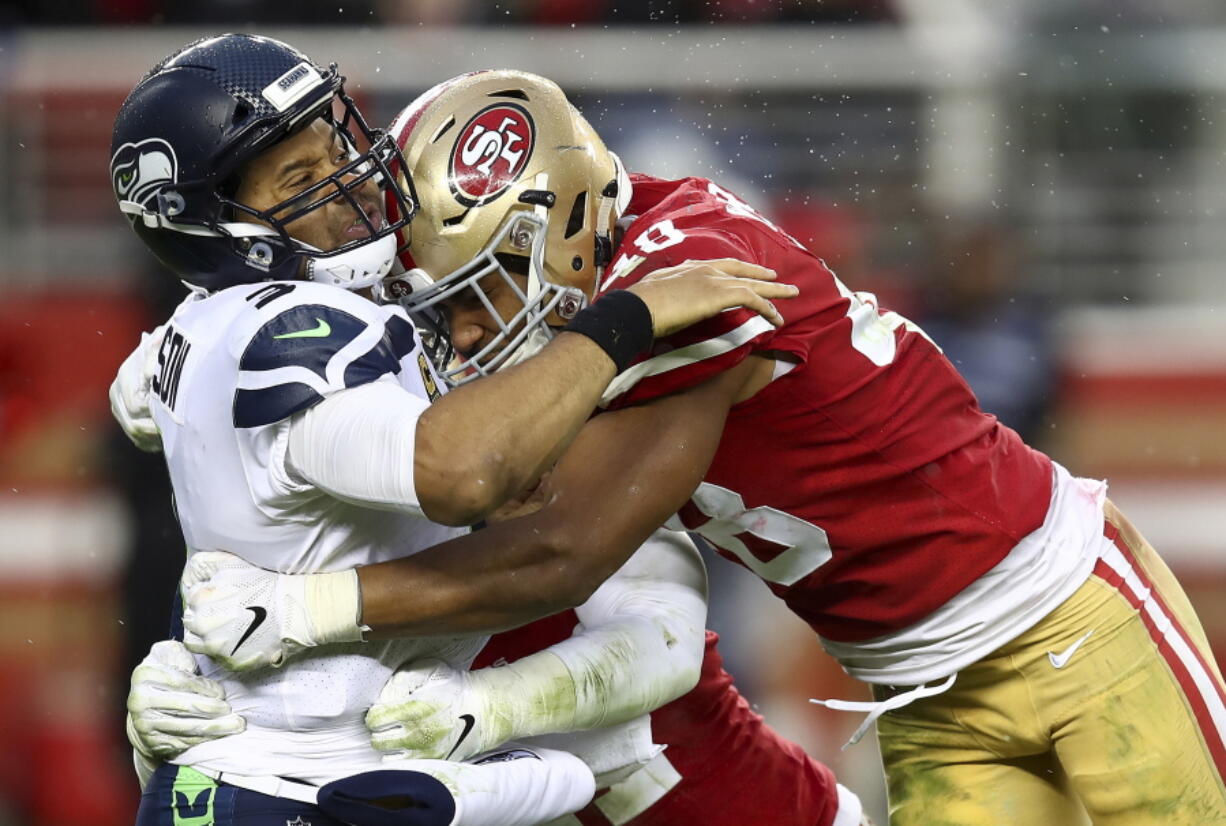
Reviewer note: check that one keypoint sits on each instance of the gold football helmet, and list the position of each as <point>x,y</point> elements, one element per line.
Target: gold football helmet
<point>504,165</point>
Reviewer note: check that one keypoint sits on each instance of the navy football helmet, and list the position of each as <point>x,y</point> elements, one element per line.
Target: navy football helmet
<point>192,123</point>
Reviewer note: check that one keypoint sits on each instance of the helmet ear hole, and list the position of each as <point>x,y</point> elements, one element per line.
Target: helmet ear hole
<point>241,110</point>
<point>578,215</point>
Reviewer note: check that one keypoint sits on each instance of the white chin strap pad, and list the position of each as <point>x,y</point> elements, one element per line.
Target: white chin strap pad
<point>611,209</point>
<point>533,344</point>
<point>624,187</point>
<point>356,269</point>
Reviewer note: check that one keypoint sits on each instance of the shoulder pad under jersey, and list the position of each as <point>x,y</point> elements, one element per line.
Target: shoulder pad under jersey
<point>309,344</point>
<point>660,238</point>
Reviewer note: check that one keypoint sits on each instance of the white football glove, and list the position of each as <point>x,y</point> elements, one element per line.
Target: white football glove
<point>172,708</point>
<point>130,392</point>
<point>430,710</point>
<point>245,617</point>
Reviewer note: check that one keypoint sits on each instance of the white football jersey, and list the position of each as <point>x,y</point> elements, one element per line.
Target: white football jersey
<point>232,369</point>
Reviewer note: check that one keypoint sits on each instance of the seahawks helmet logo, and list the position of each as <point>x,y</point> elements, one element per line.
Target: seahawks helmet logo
<point>140,170</point>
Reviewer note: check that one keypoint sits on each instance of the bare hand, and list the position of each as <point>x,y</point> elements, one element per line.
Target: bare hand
<point>691,291</point>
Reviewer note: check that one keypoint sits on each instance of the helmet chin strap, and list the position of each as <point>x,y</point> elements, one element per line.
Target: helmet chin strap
<point>539,336</point>
<point>613,202</point>
<point>535,276</point>
<point>356,269</point>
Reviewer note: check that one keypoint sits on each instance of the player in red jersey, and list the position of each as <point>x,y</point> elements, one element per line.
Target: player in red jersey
<point>1014,626</point>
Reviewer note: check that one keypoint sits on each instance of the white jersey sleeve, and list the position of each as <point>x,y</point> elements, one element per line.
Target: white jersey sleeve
<point>241,371</point>
<point>312,343</point>
<point>651,613</point>
<point>654,606</point>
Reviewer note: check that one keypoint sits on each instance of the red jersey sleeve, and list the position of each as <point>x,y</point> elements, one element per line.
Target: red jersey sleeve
<point>692,224</point>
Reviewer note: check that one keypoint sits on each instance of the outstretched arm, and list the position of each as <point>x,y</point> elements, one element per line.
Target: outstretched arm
<point>626,473</point>
<point>639,645</point>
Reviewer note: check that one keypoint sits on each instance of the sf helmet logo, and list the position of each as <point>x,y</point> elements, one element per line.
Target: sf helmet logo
<point>140,170</point>
<point>490,153</point>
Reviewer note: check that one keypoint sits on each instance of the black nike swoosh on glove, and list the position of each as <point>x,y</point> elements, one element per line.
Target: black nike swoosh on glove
<point>260,615</point>
<point>469,722</point>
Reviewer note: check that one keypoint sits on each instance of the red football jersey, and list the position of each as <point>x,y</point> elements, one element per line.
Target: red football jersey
<point>717,745</point>
<point>865,485</point>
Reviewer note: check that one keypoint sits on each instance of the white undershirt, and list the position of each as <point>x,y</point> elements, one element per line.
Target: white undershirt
<point>358,445</point>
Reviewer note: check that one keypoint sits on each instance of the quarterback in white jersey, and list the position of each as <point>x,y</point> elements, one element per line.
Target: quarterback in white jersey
<point>245,369</point>
<point>294,418</point>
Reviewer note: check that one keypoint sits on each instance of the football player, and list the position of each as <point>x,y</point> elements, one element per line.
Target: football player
<point>293,415</point>
<point>1016,629</point>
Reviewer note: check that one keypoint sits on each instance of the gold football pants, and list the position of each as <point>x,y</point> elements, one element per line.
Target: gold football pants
<point>1113,699</point>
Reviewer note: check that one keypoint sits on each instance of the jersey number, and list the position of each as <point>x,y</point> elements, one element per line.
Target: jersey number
<point>872,331</point>
<point>272,292</point>
<point>777,546</point>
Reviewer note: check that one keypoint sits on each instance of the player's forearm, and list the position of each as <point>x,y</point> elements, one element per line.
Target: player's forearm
<point>652,613</point>
<point>510,573</point>
<point>624,476</point>
<point>485,442</point>
<point>600,677</point>
<point>604,690</point>
<point>502,577</point>
<point>607,692</point>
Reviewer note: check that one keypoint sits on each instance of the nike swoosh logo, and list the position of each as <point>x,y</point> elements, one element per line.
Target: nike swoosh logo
<point>469,722</point>
<point>321,330</point>
<point>1060,660</point>
<point>260,615</point>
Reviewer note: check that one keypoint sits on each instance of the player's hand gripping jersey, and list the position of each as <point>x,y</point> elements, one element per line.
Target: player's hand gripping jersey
<point>237,370</point>
<point>863,484</point>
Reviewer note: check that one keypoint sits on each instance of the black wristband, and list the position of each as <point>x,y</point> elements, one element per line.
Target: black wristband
<point>619,322</point>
